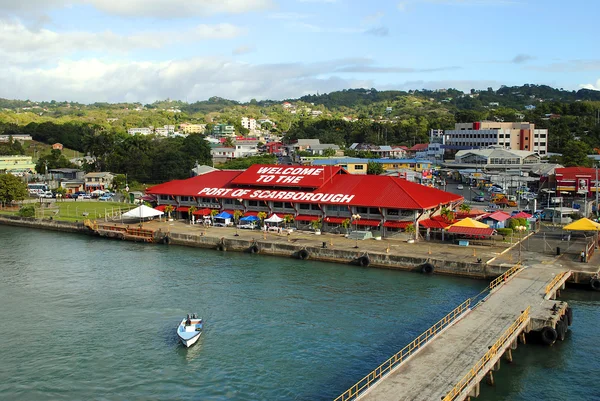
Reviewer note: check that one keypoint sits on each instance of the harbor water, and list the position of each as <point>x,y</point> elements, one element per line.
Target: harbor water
<point>89,318</point>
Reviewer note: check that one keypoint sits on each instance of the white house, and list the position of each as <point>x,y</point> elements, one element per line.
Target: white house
<point>142,131</point>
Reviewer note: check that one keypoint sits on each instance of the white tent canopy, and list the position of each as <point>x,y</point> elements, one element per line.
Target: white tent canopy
<point>142,212</point>
<point>274,219</point>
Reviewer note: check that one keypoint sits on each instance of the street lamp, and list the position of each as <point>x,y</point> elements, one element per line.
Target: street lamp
<point>355,218</point>
<point>520,229</point>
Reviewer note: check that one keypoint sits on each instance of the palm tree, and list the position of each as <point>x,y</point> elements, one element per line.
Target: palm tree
<point>191,211</point>
<point>169,209</point>
<point>410,230</point>
<point>316,224</point>
<point>346,224</point>
<point>262,216</point>
<point>465,208</point>
<point>237,215</point>
<point>447,214</point>
<point>288,218</point>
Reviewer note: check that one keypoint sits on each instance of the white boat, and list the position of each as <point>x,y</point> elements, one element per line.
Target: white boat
<point>189,330</point>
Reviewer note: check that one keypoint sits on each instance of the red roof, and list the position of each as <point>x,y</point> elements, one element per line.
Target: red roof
<point>345,189</point>
<point>434,223</point>
<point>286,176</point>
<point>471,231</point>
<point>522,215</point>
<point>182,208</point>
<point>386,191</point>
<point>572,173</point>
<point>335,220</point>
<point>202,212</point>
<point>191,186</point>
<point>306,217</point>
<point>250,214</point>
<point>419,146</point>
<point>498,216</point>
<point>161,208</point>
<point>397,224</point>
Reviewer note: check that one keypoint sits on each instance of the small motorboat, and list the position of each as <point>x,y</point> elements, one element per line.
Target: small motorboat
<point>189,330</point>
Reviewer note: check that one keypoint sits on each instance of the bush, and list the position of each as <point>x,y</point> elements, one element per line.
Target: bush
<point>27,211</point>
<point>505,232</point>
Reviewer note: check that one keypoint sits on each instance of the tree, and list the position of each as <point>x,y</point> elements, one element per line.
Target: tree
<point>329,152</point>
<point>12,189</point>
<point>262,216</point>
<point>54,160</point>
<point>288,219</point>
<point>237,215</point>
<point>447,214</point>
<point>410,230</point>
<point>465,208</point>
<point>119,181</point>
<point>374,168</point>
<point>346,224</point>
<point>316,224</point>
<point>168,210</point>
<point>575,153</point>
<point>229,142</point>
<point>191,211</point>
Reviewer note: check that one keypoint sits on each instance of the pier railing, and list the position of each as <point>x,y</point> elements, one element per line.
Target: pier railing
<point>472,375</point>
<point>505,276</point>
<point>555,281</point>
<point>404,353</point>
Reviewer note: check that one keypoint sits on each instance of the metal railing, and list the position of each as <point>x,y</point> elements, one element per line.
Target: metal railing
<point>404,353</point>
<point>555,280</point>
<point>505,276</point>
<point>491,354</point>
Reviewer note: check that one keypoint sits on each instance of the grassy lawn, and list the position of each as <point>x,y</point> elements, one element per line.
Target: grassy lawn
<point>77,211</point>
<point>36,149</point>
<point>81,210</point>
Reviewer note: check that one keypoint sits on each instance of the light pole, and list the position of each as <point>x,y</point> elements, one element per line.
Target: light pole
<point>520,229</point>
<point>355,218</point>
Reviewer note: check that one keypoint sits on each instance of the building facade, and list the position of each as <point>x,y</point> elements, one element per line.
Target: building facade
<point>220,130</point>
<point>17,165</point>
<point>192,128</point>
<point>582,181</point>
<point>249,123</point>
<point>513,136</point>
<point>141,131</point>
<point>326,194</point>
<point>95,181</point>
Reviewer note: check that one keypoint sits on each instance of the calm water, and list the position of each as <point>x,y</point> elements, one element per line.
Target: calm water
<point>83,318</point>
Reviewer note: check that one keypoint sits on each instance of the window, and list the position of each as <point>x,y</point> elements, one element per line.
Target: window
<point>374,210</point>
<point>304,206</point>
<point>163,197</point>
<point>364,210</point>
<point>333,208</point>
<point>393,212</point>
<point>359,167</point>
<point>278,204</point>
<point>252,203</point>
<point>184,199</point>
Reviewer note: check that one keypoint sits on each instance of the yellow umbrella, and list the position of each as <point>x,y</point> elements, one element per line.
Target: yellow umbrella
<point>583,224</point>
<point>470,223</point>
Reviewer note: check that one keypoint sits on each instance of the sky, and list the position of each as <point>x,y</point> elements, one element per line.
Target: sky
<point>147,50</point>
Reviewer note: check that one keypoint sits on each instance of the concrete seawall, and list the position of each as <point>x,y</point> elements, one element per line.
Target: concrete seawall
<point>387,260</point>
<point>346,256</point>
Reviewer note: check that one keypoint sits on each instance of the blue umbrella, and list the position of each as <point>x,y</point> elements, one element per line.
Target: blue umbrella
<point>224,215</point>
<point>250,218</point>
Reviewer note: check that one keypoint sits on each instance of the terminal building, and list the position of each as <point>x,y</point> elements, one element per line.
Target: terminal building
<point>308,193</point>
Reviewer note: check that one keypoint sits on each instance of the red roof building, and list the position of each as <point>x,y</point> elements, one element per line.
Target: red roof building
<point>274,147</point>
<point>310,193</point>
<point>577,180</point>
<point>419,147</point>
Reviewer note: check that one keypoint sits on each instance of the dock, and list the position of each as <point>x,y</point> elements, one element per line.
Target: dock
<point>450,360</point>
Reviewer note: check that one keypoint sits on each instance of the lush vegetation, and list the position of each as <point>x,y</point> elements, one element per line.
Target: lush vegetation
<point>245,162</point>
<point>343,118</point>
<point>12,188</point>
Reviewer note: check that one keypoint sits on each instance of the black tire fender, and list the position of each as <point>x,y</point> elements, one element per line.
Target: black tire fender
<point>303,254</point>
<point>427,268</point>
<point>364,261</point>
<point>595,284</point>
<point>561,330</point>
<point>549,335</point>
<point>253,248</point>
<point>569,316</point>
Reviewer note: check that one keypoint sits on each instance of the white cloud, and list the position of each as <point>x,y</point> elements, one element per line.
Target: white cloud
<point>96,80</point>
<point>593,87</point>
<point>20,44</point>
<point>373,18</point>
<point>244,49</point>
<point>140,8</point>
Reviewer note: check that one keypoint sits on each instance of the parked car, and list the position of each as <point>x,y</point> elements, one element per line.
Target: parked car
<point>105,198</point>
<point>46,195</point>
<point>84,196</point>
<point>479,198</point>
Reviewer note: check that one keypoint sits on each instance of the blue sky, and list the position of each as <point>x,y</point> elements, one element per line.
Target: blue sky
<point>145,50</point>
